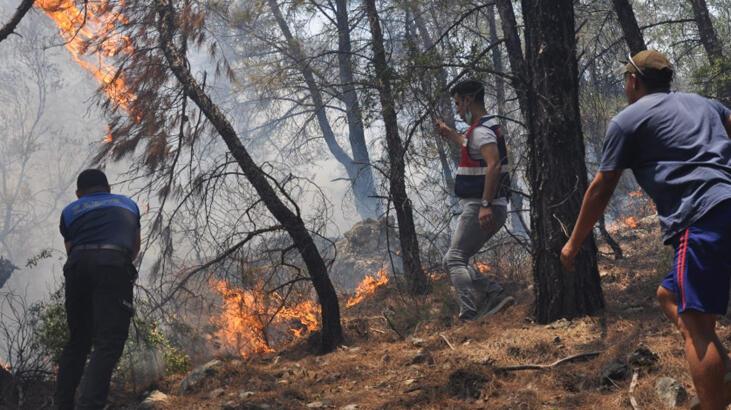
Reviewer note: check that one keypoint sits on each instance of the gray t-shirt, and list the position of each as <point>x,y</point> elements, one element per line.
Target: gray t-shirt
<point>678,149</point>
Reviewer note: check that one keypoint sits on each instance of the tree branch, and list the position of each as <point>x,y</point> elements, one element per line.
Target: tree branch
<point>20,12</point>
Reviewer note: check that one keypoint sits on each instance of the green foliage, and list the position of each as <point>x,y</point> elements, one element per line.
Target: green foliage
<point>52,333</point>
<point>150,335</point>
<point>52,330</point>
<point>714,79</point>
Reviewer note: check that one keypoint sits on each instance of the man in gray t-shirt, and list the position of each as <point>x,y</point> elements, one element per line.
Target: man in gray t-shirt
<point>482,183</point>
<point>678,147</point>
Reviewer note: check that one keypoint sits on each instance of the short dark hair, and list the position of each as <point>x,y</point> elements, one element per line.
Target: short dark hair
<point>657,80</point>
<point>472,88</point>
<point>91,180</point>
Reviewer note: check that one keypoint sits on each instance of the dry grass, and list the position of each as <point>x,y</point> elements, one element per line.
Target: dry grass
<point>375,372</point>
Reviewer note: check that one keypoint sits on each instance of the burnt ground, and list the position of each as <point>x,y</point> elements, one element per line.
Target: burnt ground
<point>380,369</point>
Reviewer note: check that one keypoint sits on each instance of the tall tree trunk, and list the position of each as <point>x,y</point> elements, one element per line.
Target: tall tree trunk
<point>557,171</point>
<point>332,334</point>
<point>709,39</point>
<point>20,12</point>
<point>516,199</point>
<point>358,168</point>
<point>415,276</point>
<point>364,185</point>
<point>721,80</point>
<point>630,28</point>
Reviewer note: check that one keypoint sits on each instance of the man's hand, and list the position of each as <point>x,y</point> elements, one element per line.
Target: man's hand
<point>443,129</point>
<point>595,201</point>
<point>486,218</point>
<point>568,257</point>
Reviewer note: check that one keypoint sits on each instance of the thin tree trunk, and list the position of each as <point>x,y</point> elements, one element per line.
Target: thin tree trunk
<point>516,199</point>
<point>445,114</point>
<point>515,52</point>
<point>358,168</point>
<point>443,100</point>
<point>618,254</point>
<point>332,334</point>
<point>415,276</point>
<point>557,171</point>
<point>20,12</point>
<point>630,28</point>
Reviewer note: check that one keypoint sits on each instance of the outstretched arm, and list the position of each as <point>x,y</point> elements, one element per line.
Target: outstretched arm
<point>595,201</point>
<point>447,132</point>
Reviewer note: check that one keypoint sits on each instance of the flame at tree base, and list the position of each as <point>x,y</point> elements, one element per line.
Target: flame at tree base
<point>254,322</point>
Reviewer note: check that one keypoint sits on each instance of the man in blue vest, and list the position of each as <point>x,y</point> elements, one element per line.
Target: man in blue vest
<point>678,148</point>
<point>101,232</point>
<point>482,183</point>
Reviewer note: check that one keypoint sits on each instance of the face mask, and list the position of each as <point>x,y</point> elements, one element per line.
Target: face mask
<point>468,117</point>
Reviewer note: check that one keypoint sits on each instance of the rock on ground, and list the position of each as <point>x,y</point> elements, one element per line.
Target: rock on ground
<point>198,375</point>
<point>155,400</point>
<point>670,392</point>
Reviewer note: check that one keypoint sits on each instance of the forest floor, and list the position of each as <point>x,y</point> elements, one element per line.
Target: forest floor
<point>442,363</point>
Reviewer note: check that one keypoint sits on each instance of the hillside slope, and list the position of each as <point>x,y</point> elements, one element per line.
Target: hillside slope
<point>438,363</point>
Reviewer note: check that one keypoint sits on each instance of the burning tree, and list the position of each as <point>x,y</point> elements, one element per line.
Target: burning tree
<point>154,100</point>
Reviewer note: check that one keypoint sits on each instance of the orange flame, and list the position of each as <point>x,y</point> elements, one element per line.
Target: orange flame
<point>367,287</point>
<point>482,267</point>
<point>631,222</point>
<point>246,318</point>
<point>79,27</point>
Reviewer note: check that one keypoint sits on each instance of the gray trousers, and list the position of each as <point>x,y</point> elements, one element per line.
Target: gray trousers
<point>472,288</point>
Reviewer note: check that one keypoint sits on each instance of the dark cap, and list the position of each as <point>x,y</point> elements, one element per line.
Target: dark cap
<point>649,64</point>
<point>91,178</point>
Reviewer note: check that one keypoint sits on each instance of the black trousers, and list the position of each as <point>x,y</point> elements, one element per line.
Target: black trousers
<point>98,308</point>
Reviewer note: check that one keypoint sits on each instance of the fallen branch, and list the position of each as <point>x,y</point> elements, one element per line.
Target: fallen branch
<point>632,400</point>
<point>447,341</point>
<point>392,326</point>
<point>547,366</point>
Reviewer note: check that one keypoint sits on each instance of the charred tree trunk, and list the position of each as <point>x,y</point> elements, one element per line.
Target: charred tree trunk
<point>358,167</point>
<point>332,334</point>
<point>630,28</point>
<point>616,249</point>
<point>20,12</point>
<point>517,222</point>
<point>415,276</point>
<point>557,171</point>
